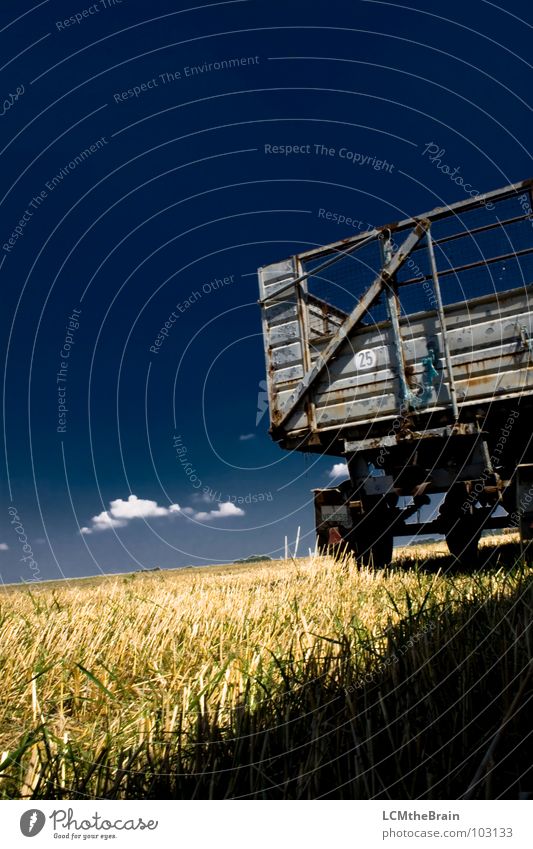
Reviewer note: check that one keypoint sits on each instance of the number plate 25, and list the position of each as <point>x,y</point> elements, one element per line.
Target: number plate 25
<point>365,359</point>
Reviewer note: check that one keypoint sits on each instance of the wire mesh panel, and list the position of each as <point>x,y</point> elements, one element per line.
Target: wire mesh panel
<point>478,251</point>
<point>343,282</point>
<point>468,244</point>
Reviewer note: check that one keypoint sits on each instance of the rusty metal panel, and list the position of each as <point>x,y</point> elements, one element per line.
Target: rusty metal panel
<point>283,333</point>
<point>272,278</point>
<point>286,353</point>
<point>287,375</point>
<point>281,415</point>
<point>490,358</point>
<point>280,311</point>
<point>324,319</point>
<point>453,355</point>
<point>481,371</point>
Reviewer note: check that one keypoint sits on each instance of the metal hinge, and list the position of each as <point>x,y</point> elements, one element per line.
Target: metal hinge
<point>525,338</point>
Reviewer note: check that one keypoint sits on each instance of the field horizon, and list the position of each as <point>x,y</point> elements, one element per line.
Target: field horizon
<point>413,552</point>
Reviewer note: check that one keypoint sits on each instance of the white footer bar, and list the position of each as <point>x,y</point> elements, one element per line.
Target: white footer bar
<point>262,824</point>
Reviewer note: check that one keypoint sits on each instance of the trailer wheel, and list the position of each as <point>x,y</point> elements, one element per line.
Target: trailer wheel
<point>463,545</point>
<point>462,525</point>
<point>371,538</point>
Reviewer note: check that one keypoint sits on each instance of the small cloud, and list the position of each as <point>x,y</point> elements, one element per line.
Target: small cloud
<point>121,512</point>
<point>103,522</point>
<point>229,509</point>
<point>244,437</point>
<point>339,470</point>
<point>136,508</point>
<point>4,546</point>
<point>40,541</point>
<point>223,511</point>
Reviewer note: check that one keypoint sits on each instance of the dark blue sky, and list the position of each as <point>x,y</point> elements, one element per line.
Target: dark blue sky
<point>136,185</point>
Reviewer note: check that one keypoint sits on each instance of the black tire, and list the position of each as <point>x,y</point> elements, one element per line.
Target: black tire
<point>462,525</point>
<point>463,545</point>
<point>372,536</point>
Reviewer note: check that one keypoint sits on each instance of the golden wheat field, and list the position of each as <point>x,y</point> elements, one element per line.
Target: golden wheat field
<point>247,680</point>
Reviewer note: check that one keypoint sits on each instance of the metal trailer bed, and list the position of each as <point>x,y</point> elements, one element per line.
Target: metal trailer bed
<point>408,350</point>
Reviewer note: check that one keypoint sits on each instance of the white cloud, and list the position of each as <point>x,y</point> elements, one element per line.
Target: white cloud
<point>339,470</point>
<point>102,522</point>
<point>4,546</point>
<point>244,437</point>
<point>136,508</point>
<point>223,511</point>
<point>121,512</point>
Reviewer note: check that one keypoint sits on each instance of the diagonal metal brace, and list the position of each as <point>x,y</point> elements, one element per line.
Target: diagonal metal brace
<point>388,271</point>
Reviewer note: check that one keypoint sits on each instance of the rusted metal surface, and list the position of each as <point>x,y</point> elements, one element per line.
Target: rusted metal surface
<point>282,413</point>
<point>304,327</point>
<point>482,370</point>
<point>408,435</point>
<point>329,372</point>
<point>442,322</point>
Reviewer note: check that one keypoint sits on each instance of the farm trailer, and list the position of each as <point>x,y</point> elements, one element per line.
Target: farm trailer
<point>407,350</point>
